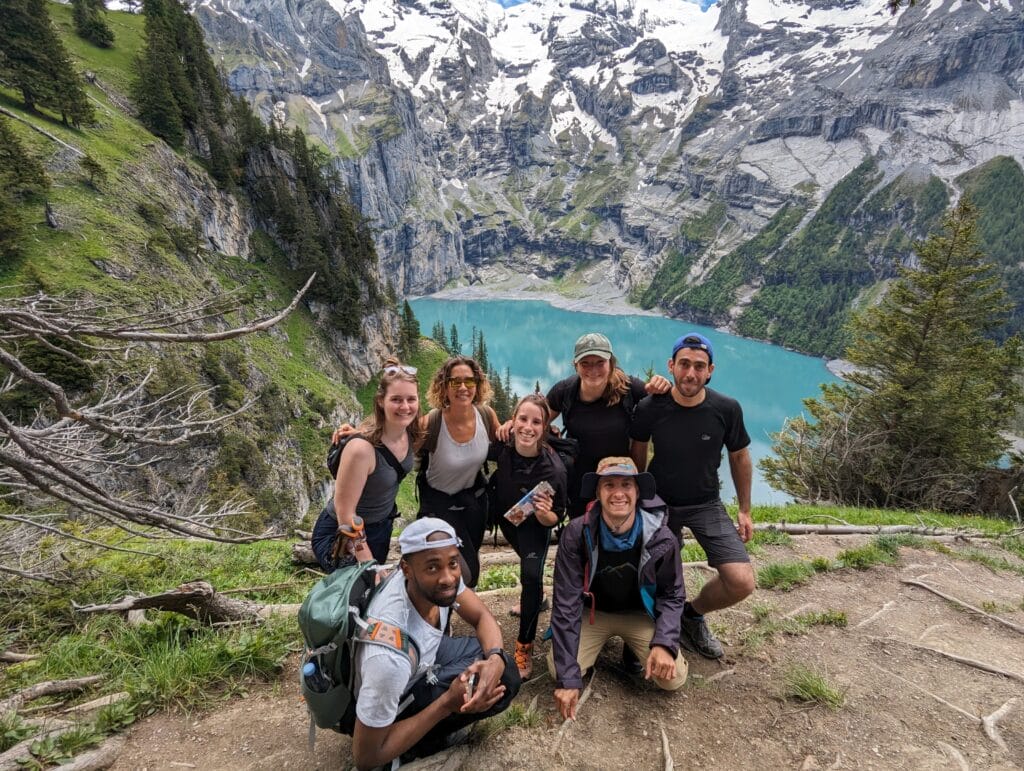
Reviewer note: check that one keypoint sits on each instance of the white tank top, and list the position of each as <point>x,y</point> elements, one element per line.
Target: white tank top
<point>453,465</point>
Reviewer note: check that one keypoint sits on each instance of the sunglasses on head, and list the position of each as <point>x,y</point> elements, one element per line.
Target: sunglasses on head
<point>395,368</point>
<point>469,382</point>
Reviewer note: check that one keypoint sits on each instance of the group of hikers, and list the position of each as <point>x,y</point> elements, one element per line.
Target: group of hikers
<point>618,570</point>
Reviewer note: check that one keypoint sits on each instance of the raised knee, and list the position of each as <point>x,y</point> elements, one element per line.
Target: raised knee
<point>740,583</point>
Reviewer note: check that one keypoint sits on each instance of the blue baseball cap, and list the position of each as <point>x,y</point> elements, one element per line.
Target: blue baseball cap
<point>694,341</point>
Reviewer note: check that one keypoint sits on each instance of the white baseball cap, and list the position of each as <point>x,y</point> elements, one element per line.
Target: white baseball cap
<point>414,538</point>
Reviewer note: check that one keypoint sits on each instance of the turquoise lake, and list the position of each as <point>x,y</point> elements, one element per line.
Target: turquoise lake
<point>535,341</point>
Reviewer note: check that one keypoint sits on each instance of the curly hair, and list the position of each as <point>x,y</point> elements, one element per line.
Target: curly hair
<point>373,427</point>
<point>618,383</point>
<point>437,393</point>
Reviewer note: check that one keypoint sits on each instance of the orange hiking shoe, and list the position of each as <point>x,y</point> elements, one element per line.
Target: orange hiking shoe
<point>524,659</point>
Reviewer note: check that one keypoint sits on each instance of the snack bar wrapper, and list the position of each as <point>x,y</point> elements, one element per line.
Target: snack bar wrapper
<point>525,507</point>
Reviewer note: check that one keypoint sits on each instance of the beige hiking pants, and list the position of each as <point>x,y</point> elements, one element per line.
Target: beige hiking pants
<point>635,629</point>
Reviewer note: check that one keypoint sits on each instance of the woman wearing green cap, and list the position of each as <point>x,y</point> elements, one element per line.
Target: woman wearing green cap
<point>596,405</point>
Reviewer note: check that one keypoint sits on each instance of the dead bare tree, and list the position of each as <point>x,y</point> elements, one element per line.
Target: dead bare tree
<point>84,450</point>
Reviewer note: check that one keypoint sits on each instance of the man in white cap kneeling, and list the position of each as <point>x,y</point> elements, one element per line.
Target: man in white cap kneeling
<point>458,680</point>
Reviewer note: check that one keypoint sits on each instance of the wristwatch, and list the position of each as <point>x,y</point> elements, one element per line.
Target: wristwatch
<point>495,651</point>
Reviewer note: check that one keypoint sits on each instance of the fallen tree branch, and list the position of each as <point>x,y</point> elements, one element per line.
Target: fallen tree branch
<point>10,657</point>
<point>984,667</point>
<point>264,588</point>
<point>11,759</point>
<point>98,759</point>
<point>809,529</point>
<point>196,599</point>
<point>991,723</point>
<point>950,598</point>
<point>46,688</point>
<point>95,704</point>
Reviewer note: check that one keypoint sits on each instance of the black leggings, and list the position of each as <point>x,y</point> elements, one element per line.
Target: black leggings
<point>466,512</point>
<point>530,540</point>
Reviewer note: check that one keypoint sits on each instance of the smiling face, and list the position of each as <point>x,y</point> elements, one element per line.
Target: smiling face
<point>690,369</point>
<point>400,404</point>
<point>461,385</point>
<point>434,574</point>
<point>529,425</point>
<point>594,371</point>
<point>617,495</point>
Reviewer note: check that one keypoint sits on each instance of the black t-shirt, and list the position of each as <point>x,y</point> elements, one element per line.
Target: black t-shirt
<point>616,585</point>
<point>601,429</point>
<point>511,484</point>
<point>688,443</point>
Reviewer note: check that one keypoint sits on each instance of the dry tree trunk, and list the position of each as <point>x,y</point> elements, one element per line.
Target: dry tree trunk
<point>46,688</point>
<point>196,599</point>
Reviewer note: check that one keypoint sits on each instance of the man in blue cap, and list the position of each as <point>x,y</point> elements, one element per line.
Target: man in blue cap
<point>689,426</point>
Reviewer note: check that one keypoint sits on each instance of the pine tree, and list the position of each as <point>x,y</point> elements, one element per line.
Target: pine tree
<point>922,417</point>
<point>34,61</point>
<point>21,179</point>
<point>438,336</point>
<point>90,23</point>
<point>410,331</point>
<point>454,347</point>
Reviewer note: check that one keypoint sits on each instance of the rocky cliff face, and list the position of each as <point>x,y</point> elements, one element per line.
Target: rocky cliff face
<point>558,131</point>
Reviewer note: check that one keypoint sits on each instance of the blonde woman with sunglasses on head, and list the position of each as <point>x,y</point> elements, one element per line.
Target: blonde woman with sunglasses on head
<point>458,431</point>
<point>373,463</point>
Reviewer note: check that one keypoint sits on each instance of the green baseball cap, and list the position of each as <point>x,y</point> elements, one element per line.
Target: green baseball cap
<point>592,344</point>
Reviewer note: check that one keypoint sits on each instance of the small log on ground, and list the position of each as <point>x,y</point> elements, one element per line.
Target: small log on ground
<point>10,760</point>
<point>46,688</point>
<point>95,704</point>
<point>196,599</point>
<point>99,758</point>
<point>809,529</point>
<point>10,657</point>
<point>302,554</point>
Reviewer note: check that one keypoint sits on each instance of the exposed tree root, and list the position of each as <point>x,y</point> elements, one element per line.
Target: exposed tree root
<point>99,758</point>
<point>956,755</point>
<point>666,752</point>
<point>877,614</point>
<point>949,598</point>
<point>10,657</point>
<point>991,722</point>
<point>720,675</point>
<point>984,667</point>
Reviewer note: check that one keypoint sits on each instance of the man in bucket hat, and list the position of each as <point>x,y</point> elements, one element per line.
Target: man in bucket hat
<point>617,573</point>
<point>689,426</point>
<point>458,681</point>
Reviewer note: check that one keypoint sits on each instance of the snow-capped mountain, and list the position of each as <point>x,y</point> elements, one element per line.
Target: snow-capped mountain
<point>555,133</point>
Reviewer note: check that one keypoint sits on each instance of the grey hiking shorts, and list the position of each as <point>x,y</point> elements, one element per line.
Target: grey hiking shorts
<point>713,528</point>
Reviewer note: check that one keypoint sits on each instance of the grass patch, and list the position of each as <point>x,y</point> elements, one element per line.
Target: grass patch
<point>766,627</point>
<point>867,556</point>
<point>821,564</point>
<point>991,561</point>
<point>516,716</point>
<point>801,513</point>
<point>499,577</point>
<point>784,576</point>
<point>811,686</point>
<point>823,618</point>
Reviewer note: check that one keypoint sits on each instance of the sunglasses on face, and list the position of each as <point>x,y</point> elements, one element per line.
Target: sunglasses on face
<point>395,368</point>
<point>469,382</point>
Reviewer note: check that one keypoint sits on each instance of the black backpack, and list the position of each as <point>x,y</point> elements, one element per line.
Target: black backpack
<point>334,456</point>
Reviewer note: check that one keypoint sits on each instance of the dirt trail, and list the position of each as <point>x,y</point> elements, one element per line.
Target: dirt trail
<point>739,721</point>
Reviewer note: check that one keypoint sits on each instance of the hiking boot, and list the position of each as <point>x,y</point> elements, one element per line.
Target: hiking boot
<point>524,659</point>
<point>630,663</point>
<point>696,637</point>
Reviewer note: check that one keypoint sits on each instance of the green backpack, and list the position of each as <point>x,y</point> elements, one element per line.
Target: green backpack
<point>333,619</point>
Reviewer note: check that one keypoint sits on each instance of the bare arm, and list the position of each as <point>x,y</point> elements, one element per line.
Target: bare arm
<point>376,746</point>
<point>358,461</point>
<point>742,469</point>
<point>489,671</point>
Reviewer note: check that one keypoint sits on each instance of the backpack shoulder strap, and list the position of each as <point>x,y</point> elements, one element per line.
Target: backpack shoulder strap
<point>392,461</point>
<point>433,431</point>
<point>489,417</point>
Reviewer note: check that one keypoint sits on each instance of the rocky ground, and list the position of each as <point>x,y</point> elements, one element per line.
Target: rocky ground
<point>905,707</point>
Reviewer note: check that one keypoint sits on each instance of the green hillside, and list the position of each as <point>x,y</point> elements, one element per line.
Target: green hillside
<point>132,238</point>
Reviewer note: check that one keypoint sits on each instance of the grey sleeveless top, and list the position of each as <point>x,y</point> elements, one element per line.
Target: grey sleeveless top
<point>378,498</point>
